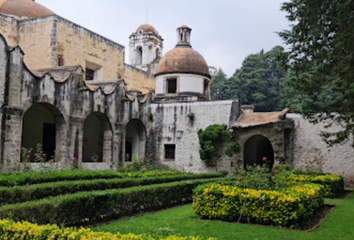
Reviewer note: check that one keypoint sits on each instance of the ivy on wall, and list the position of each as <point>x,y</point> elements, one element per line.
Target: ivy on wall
<point>215,141</point>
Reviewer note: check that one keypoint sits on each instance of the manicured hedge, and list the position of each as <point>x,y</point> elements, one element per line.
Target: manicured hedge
<point>29,231</point>
<point>333,184</point>
<point>27,178</point>
<point>87,207</point>
<point>17,194</point>
<point>283,208</point>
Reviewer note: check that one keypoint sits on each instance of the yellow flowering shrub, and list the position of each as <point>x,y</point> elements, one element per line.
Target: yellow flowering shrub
<point>333,184</point>
<point>25,230</point>
<point>282,207</point>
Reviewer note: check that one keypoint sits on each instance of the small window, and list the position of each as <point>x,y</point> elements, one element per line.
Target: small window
<point>60,60</point>
<point>89,74</point>
<point>170,150</point>
<point>172,85</point>
<point>93,71</point>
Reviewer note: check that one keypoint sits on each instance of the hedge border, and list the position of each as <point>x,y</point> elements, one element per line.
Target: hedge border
<point>90,207</point>
<point>25,230</point>
<point>281,208</point>
<point>28,178</point>
<point>334,184</point>
<point>17,194</point>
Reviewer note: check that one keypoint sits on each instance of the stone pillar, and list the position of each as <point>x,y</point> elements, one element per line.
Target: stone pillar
<point>107,147</point>
<point>12,135</point>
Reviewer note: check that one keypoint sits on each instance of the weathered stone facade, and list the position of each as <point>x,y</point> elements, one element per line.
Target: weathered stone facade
<point>117,116</point>
<point>309,150</point>
<point>62,93</point>
<point>53,41</point>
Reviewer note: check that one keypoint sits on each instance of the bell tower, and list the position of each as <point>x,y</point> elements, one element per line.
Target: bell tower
<point>145,48</point>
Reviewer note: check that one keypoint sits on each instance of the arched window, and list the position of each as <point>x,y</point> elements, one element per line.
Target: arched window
<point>139,55</point>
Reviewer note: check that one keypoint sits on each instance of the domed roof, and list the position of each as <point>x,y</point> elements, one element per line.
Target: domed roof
<point>24,9</point>
<point>183,60</point>
<point>184,26</point>
<point>146,28</point>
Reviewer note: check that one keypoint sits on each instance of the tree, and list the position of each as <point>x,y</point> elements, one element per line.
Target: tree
<point>218,85</point>
<point>321,43</point>
<point>259,80</point>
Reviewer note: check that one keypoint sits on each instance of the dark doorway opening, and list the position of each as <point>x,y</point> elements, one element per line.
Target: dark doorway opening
<point>256,149</point>
<point>49,139</point>
<point>128,151</point>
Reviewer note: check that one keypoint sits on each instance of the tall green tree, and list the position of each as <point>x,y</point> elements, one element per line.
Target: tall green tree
<point>321,43</point>
<point>218,85</point>
<point>259,80</point>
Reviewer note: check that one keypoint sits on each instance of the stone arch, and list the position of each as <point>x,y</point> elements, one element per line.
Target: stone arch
<point>43,124</point>
<point>255,149</point>
<point>139,55</point>
<point>97,138</point>
<point>135,139</point>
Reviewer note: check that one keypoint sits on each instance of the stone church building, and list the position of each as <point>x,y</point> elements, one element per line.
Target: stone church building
<point>69,89</point>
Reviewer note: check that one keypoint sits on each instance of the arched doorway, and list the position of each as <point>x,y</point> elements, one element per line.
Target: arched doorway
<point>135,138</point>
<point>255,149</point>
<point>97,141</point>
<point>42,124</point>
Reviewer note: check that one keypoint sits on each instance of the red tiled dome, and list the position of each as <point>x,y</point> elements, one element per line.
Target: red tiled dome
<point>24,9</point>
<point>183,60</point>
<point>146,28</point>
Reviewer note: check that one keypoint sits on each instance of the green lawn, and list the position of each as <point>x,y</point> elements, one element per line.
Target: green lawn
<point>338,225</point>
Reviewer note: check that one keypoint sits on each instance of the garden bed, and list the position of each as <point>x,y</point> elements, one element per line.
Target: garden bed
<point>28,178</point>
<point>286,207</point>
<point>17,194</point>
<point>25,230</point>
<point>334,184</point>
<point>85,208</point>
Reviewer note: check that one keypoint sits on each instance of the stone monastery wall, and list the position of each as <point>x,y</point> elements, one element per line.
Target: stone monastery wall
<point>310,150</point>
<point>178,123</point>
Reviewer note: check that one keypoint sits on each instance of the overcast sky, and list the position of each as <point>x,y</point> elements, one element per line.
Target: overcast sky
<point>223,31</point>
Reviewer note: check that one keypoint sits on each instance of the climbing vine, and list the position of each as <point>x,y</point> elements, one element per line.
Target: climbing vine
<point>215,141</point>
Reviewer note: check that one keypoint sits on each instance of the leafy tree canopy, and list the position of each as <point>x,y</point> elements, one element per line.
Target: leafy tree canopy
<point>321,57</point>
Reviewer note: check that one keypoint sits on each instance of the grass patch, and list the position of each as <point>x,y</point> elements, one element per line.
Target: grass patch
<point>182,220</point>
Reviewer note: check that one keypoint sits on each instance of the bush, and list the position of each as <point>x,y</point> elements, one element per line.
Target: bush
<point>278,168</point>
<point>282,208</point>
<point>260,178</point>
<point>9,195</point>
<point>25,230</point>
<point>216,140</point>
<point>333,184</point>
<point>89,207</point>
<point>27,178</point>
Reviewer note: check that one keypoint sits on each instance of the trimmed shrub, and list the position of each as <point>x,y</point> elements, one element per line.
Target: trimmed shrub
<point>88,207</point>
<point>17,194</point>
<point>278,168</point>
<point>26,230</point>
<point>282,208</point>
<point>28,178</point>
<point>333,184</point>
